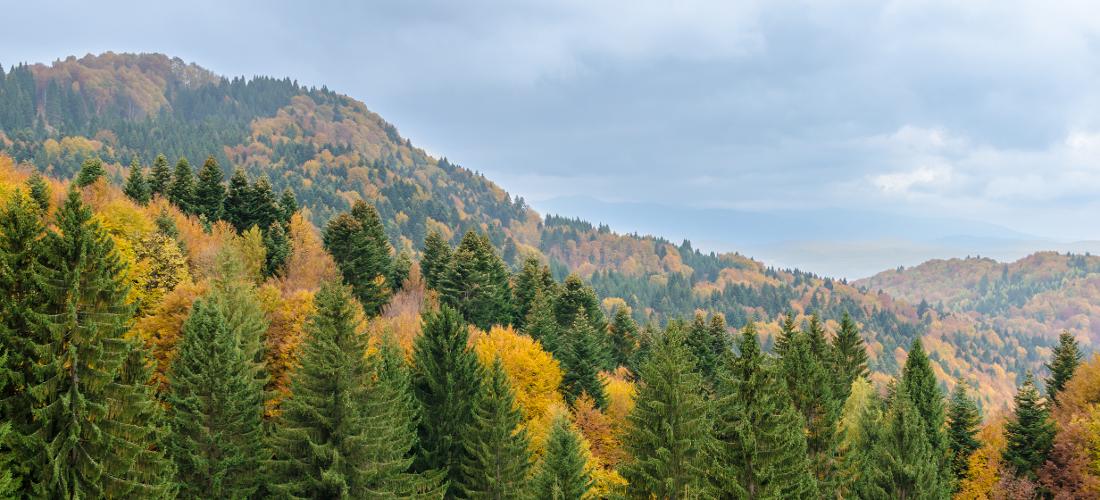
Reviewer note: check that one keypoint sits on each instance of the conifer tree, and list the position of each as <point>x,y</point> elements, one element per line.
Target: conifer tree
<point>85,416</point>
<point>476,283</point>
<point>581,359</point>
<point>670,436</point>
<point>357,241</point>
<point>902,464</point>
<point>278,250</point>
<point>532,278</point>
<point>496,461</point>
<point>216,410</point>
<point>919,381</point>
<point>1064,362</point>
<point>624,337</point>
<point>810,383</point>
<point>763,448</point>
<point>787,331</point>
<point>288,206</point>
<point>436,260</point>
<point>963,423</point>
<point>860,429</point>
<point>542,326</point>
<point>152,474</point>
<point>235,298</point>
<point>210,193</point>
<point>181,191</point>
<point>238,202</point>
<point>1029,435</point>
<point>264,209</point>
<point>850,357</point>
<point>347,427</point>
<point>39,191</point>
<point>561,474</point>
<point>159,177</point>
<point>90,171</point>
<point>136,187</point>
<point>573,296</point>
<point>446,385</point>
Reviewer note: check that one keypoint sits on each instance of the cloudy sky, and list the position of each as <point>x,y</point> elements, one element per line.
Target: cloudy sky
<point>978,110</point>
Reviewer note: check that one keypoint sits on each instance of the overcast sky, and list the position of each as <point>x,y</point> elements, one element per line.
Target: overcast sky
<point>985,110</point>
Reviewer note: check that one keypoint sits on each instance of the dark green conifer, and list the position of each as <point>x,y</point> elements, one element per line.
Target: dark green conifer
<point>573,296</point>
<point>288,205</point>
<point>238,202</point>
<point>476,283</point>
<point>810,383</point>
<point>1063,363</point>
<point>357,241</point>
<point>963,422</point>
<point>136,188</point>
<point>497,460</point>
<point>181,191</point>
<point>787,330</point>
<point>919,381</point>
<point>90,171</point>
<point>902,464</point>
<point>210,193</point>
<point>436,260</point>
<point>402,268</point>
<point>624,337</point>
<point>39,191</point>
<point>264,206</point>
<point>561,474</point>
<point>531,278</point>
<point>542,326</point>
<point>278,250</point>
<point>159,177</point>
<point>582,355</point>
<point>1029,435</point>
<point>850,357</point>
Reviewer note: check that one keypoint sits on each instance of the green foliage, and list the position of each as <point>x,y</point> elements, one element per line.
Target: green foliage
<point>561,474</point>
<point>476,283</point>
<point>216,410</point>
<point>581,357</point>
<point>1029,435</point>
<point>358,244</point>
<point>238,202</point>
<point>963,422</point>
<point>624,337</point>
<point>542,325</point>
<point>278,250</point>
<point>159,176</point>
<point>288,205</point>
<point>1064,362</point>
<point>210,193</point>
<point>532,278</point>
<point>901,462</point>
<point>90,171</point>
<point>181,191</point>
<point>710,345</point>
<point>919,382</point>
<point>575,296</point>
<point>850,357</point>
<point>136,188</point>
<point>39,191</point>
<point>496,461</point>
<point>435,261</point>
<point>805,366</point>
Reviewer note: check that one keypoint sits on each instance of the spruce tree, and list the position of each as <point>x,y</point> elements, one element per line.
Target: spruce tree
<point>347,427</point>
<point>39,191</point>
<point>90,171</point>
<point>210,193</point>
<point>1063,363</point>
<point>278,250</point>
<point>963,422</point>
<point>532,278</point>
<point>216,410</point>
<point>542,326</point>
<point>288,205</point>
<point>9,481</point>
<point>136,187</point>
<point>670,436</point>
<point>581,359</point>
<point>919,381</point>
<point>238,202</point>
<point>476,283</point>
<point>810,383</point>
<point>446,384</point>
<point>850,356</point>
<point>762,444</point>
<point>902,463</point>
<point>436,260</point>
<point>1029,435</point>
<point>496,461</point>
<point>357,241</point>
<point>181,191</point>
<point>264,207</point>
<point>624,337</point>
<point>159,177</point>
<point>561,474</point>
<point>787,330</point>
<point>573,296</point>
<point>152,472</point>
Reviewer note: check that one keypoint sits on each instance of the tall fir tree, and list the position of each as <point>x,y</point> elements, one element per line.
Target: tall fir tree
<point>264,207</point>
<point>850,357</point>
<point>542,325</point>
<point>238,202</point>
<point>446,384</point>
<point>357,241</point>
<point>288,206</point>
<point>497,460</point>
<point>670,435</point>
<point>9,481</point>
<point>762,444</point>
<point>136,187</point>
<point>152,471</point>
<point>39,191</point>
<point>582,355</point>
<point>810,383</point>
<point>788,329</point>
<point>476,283</point>
<point>181,191</point>
<point>574,295</point>
<point>278,250</point>
<point>562,473</point>
<point>902,463</point>
<point>1029,434</point>
<point>216,410</point>
<point>209,192</point>
<point>436,260</point>
<point>1063,363</point>
<point>91,170</point>
<point>532,278</point>
<point>919,381</point>
<point>964,420</point>
<point>624,337</point>
<point>159,177</point>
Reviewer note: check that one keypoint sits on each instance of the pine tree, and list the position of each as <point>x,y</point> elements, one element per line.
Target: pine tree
<point>264,207</point>
<point>235,298</point>
<point>159,177</point>
<point>9,482</point>
<point>561,474</point>
<point>1029,435</point>
<point>810,383</point>
<point>39,191</point>
<point>581,358</point>
<point>963,422</point>
<point>435,261</point>
<point>573,296</point>
<point>476,283</point>
<point>670,436</point>
<point>1064,362</point>
<point>496,461</point>
<point>787,331</point>
<point>288,205</point>
<point>86,417</point>
<point>446,385</point>
<point>763,448</point>
<point>238,202</point>
<point>210,193</point>
<point>850,357</point>
<point>152,472</point>
<point>624,337</point>
<point>278,250</point>
<point>532,278</point>
<point>902,464</point>
<point>402,268</point>
<point>181,191</point>
<point>919,381</point>
<point>542,326</point>
<point>347,427</point>
<point>216,410</point>
<point>90,171</point>
<point>357,241</point>
<point>136,188</point>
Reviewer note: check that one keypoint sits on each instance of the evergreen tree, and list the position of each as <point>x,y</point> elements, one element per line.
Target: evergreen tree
<point>476,283</point>
<point>561,474</point>
<point>919,381</point>
<point>90,171</point>
<point>159,177</point>
<point>264,208</point>
<point>85,416</point>
<point>624,337</point>
<point>238,202</point>
<point>216,410</point>
<point>210,193</point>
<point>532,278</point>
<point>850,357</point>
<point>402,268</point>
<point>288,205</point>
<point>581,358</point>
<point>1064,362</point>
<point>787,331</point>
<point>153,474</point>
<point>278,250</point>
<point>810,383</point>
<point>574,296</point>
<point>181,191</point>
<point>357,241</point>
<point>496,461</point>
<point>963,423</point>
<point>136,188</point>
<point>670,436</point>
<point>39,191</point>
<point>902,463</point>
<point>435,261</point>
<point>446,384</point>
<point>542,326</point>
<point>763,448</point>
<point>347,427</point>
<point>1029,435</point>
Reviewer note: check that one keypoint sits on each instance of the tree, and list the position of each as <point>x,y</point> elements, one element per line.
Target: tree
<point>574,296</point>
<point>181,191</point>
<point>850,357</point>
<point>624,337</point>
<point>902,464</point>
<point>496,461</point>
<point>562,475</point>
<point>136,187</point>
<point>787,331</point>
<point>348,425</point>
<point>278,250</point>
<point>358,243</point>
<point>288,205</point>
<point>159,177</point>
<point>532,278</point>
<point>919,381</point>
<point>238,202</point>
<point>476,283</point>
<point>1029,435</point>
<point>670,436</point>
<point>810,383</point>
<point>581,358</point>
<point>963,423</point>
<point>1064,362</point>
<point>90,171</point>
<point>436,260</point>
<point>264,208</point>
<point>216,410</point>
<point>763,448</point>
<point>542,326</point>
<point>209,193</point>
<point>446,385</point>
<point>39,191</point>
<point>709,343</point>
